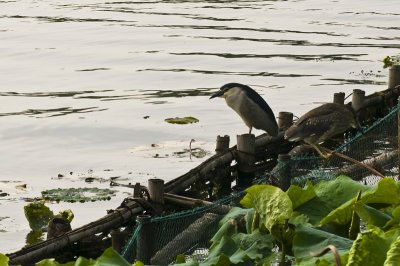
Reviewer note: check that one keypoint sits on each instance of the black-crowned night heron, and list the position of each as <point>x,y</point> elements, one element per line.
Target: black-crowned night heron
<point>251,107</point>
<point>322,123</point>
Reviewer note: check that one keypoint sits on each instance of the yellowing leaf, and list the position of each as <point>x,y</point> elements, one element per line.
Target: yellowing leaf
<point>271,203</point>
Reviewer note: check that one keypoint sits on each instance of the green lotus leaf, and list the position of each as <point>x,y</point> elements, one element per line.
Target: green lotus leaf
<point>393,255</point>
<point>299,195</point>
<point>38,215</point>
<point>271,203</point>
<point>395,221</point>
<point>78,194</point>
<point>370,215</point>
<point>308,239</point>
<point>331,195</point>
<point>3,260</point>
<point>370,248</point>
<point>182,120</point>
<point>386,192</point>
<point>241,248</point>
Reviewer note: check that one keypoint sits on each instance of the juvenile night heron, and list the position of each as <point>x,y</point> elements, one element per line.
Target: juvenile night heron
<point>322,123</point>
<point>251,107</point>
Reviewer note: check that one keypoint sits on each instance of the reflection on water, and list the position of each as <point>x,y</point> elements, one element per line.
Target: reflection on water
<point>92,71</point>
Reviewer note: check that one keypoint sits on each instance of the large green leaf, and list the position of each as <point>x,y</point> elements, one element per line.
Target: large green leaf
<point>271,203</point>
<point>308,239</point>
<point>370,215</point>
<point>233,213</point>
<point>109,257</point>
<point>299,195</point>
<point>38,215</point>
<point>371,247</point>
<point>386,192</point>
<point>330,195</point>
<point>241,248</point>
<point>393,255</point>
<point>3,260</point>
<point>395,221</point>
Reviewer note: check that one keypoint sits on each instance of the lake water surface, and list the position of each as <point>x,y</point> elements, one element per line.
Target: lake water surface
<point>85,85</point>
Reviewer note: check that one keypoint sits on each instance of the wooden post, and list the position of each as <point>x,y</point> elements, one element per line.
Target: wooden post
<point>284,171</point>
<point>118,239</point>
<point>338,97</point>
<point>224,183</point>
<point>156,193</point>
<point>358,99</point>
<point>137,191</point>
<point>144,248</point>
<point>285,120</point>
<point>246,159</point>
<point>222,144</point>
<point>394,76</point>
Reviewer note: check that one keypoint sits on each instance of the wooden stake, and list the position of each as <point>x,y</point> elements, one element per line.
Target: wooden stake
<point>224,180</point>
<point>338,97</point>
<point>358,99</point>
<point>144,248</point>
<point>118,239</point>
<point>394,76</point>
<point>156,193</point>
<point>246,159</point>
<point>222,144</point>
<point>285,120</point>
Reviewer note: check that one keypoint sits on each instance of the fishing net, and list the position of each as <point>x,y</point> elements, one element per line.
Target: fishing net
<point>189,232</point>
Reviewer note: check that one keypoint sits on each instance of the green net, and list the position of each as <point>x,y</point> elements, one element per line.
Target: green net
<point>189,232</point>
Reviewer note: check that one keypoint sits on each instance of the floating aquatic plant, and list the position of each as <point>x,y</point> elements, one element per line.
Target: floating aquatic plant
<point>78,194</point>
<point>182,120</point>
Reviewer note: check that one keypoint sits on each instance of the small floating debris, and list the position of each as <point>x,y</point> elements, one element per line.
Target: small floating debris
<point>182,120</point>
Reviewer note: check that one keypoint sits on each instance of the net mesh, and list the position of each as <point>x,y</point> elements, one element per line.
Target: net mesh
<point>189,232</point>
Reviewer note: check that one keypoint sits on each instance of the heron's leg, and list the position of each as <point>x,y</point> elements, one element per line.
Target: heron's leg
<point>325,155</point>
<point>250,128</point>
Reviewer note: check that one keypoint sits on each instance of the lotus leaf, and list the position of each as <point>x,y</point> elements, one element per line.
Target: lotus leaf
<point>299,195</point>
<point>182,120</point>
<point>271,203</point>
<point>78,194</point>
<point>370,248</point>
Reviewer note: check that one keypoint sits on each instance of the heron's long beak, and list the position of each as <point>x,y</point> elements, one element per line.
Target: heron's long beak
<point>217,94</point>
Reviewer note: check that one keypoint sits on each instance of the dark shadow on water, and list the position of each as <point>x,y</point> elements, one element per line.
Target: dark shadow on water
<point>298,57</point>
<point>41,113</point>
<point>52,94</point>
<point>213,72</point>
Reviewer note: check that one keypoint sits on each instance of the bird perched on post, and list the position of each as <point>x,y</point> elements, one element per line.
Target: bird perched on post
<point>251,107</point>
<point>322,123</point>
